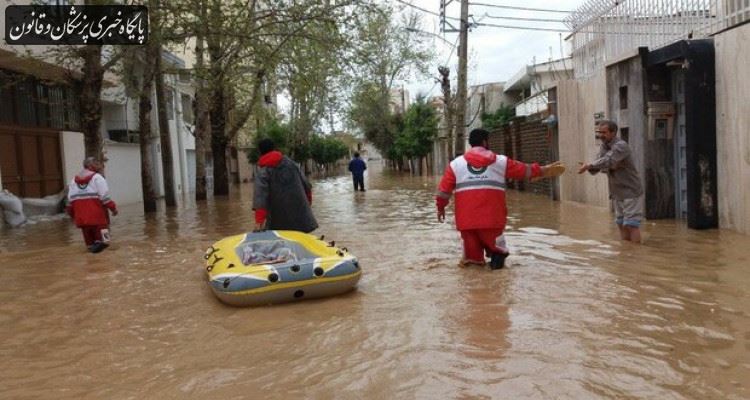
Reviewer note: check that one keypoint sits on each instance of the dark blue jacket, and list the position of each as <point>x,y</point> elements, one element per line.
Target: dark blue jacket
<point>357,166</point>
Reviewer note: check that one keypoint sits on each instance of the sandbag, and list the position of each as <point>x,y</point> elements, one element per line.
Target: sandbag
<point>12,209</point>
<point>49,205</point>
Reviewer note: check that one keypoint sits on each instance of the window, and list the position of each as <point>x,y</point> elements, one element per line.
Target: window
<point>625,134</point>
<point>73,115</point>
<point>42,105</point>
<point>6,104</point>
<point>27,102</point>
<point>187,109</point>
<point>56,98</point>
<point>623,98</point>
<point>169,101</point>
<point>185,76</point>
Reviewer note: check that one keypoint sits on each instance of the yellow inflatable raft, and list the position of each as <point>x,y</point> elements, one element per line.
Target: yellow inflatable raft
<point>278,266</point>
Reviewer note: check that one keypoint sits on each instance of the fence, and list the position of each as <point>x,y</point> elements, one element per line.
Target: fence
<point>528,140</point>
<point>605,30</point>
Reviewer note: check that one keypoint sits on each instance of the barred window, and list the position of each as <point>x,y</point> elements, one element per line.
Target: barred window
<point>7,109</point>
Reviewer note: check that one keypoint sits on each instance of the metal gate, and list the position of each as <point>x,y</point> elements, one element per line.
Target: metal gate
<point>30,161</point>
<point>680,145</point>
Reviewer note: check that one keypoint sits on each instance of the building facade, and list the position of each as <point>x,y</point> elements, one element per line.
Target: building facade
<point>670,74</point>
<point>41,143</point>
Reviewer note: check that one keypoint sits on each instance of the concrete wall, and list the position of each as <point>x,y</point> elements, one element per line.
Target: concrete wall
<point>732,127</point>
<point>73,152</point>
<point>577,102</point>
<point>631,116</point>
<point>123,172</point>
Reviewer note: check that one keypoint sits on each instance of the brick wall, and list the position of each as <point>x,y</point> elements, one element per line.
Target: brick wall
<point>528,140</point>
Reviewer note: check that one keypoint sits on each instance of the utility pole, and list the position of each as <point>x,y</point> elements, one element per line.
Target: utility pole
<point>461,92</point>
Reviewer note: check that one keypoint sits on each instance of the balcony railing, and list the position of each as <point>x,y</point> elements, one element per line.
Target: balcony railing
<point>605,30</point>
<point>532,105</point>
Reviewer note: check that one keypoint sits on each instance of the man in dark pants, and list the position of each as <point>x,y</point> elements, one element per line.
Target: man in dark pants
<point>357,167</point>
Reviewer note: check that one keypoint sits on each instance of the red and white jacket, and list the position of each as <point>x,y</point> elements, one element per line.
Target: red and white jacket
<point>478,178</point>
<point>88,199</point>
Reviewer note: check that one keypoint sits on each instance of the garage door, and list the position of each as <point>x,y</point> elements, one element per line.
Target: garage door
<point>30,161</point>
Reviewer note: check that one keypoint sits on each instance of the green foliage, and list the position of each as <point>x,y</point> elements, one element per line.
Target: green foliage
<point>322,149</point>
<point>371,113</point>
<point>274,130</point>
<point>326,149</point>
<point>419,130</point>
<point>386,50</point>
<point>498,118</point>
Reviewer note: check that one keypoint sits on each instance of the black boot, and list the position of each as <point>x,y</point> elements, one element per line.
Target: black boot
<point>497,260</point>
<point>98,247</point>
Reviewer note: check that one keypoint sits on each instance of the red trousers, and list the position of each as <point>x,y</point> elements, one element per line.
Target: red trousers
<point>476,241</point>
<point>92,233</point>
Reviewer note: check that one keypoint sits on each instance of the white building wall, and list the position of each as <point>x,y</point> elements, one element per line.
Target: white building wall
<point>123,172</point>
<point>578,101</point>
<point>73,152</point>
<point>732,122</point>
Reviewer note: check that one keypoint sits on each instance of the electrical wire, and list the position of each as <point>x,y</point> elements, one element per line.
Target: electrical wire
<point>521,8</point>
<point>527,28</point>
<point>524,19</point>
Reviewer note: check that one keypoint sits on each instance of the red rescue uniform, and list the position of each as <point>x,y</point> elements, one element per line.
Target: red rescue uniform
<point>88,202</point>
<point>479,180</point>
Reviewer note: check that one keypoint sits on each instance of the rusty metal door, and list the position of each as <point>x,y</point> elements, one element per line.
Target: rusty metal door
<point>30,161</point>
<point>680,145</point>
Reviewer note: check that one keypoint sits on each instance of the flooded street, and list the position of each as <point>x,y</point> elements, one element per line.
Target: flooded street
<point>576,314</point>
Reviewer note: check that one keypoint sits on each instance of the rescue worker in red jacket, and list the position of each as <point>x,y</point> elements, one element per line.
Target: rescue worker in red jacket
<point>479,178</point>
<point>89,204</point>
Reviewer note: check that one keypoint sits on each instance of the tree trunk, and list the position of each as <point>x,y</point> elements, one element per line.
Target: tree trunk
<point>217,109</point>
<point>167,163</point>
<point>219,142</point>
<point>90,100</point>
<point>144,128</point>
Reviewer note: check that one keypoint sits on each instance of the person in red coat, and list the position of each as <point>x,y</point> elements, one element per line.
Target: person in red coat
<point>89,204</point>
<point>479,179</point>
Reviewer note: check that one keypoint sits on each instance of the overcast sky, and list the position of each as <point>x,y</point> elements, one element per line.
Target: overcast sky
<point>495,54</point>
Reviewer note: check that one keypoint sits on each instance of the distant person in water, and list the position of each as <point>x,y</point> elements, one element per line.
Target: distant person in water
<point>282,194</point>
<point>357,167</point>
<point>89,204</point>
<point>478,177</point>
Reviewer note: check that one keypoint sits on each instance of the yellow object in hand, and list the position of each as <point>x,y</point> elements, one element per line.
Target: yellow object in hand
<point>552,170</point>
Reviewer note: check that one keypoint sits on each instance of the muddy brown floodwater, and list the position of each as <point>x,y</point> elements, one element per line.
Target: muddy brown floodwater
<point>577,314</point>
